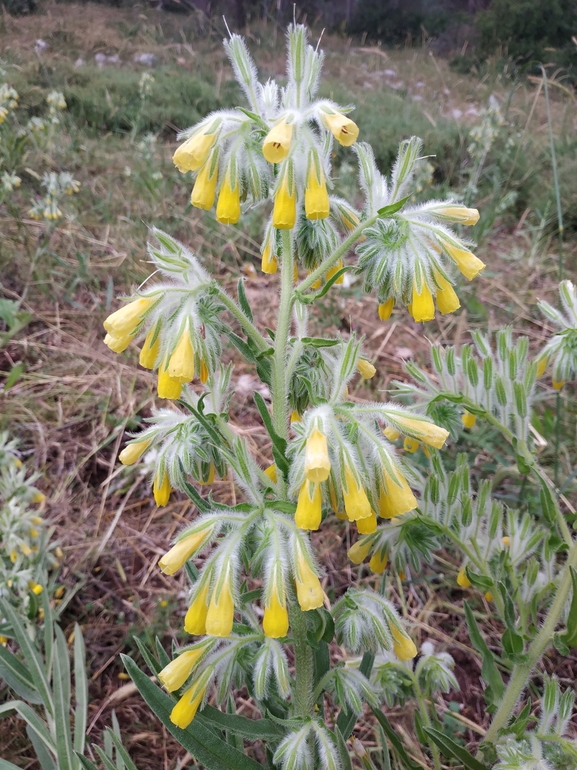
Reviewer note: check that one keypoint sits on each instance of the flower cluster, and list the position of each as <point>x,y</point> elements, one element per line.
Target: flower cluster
<point>56,104</point>
<point>56,186</point>
<point>8,101</point>
<point>177,317</point>
<point>561,349</point>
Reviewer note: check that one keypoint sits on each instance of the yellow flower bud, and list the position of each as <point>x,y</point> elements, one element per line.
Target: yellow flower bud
<point>117,344</point>
<point>309,590</point>
<point>308,514</point>
<point>37,520</point>
<point>378,563</point>
<point>150,349</point>
<point>181,362</point>
<point>422,305</point>
<point>466,261</point>
<point>358,552</point>
<point>366,369</point>
<point>271,472</point>
<point>489,596</point>
<point>506,541</point>
<point>204,190</point>
<point>367,525</point>
<point>277,142</point>
<point>357,504</point>
<point>220,616</point>
<point>285,206</point>
<point>410,444</point>
<point>25,549</point>
<point>431,434</point>
<point>315,284</point>
<point>161,490</point>
<point>175,674</point>
<point>182,550</point>
<point>133,452</point>
<point>447,299</point>
<point>228,206</point>
<point>269,263</point>
<point>168,387</point>
<point>386,309</point>
<point>403,645</point>
<point>204,373</point>
<point>192,154</point>
<point>124,321</point>
<point>185,710</point>
<point>558,384</point>
<point>210,478</point>
<point>542,364</point>
<point>462,579</point>
<point>295,416</point>
<point>460,214</point>
<point>275,622</point>
<point>391,433</point>
<point>38,497</point>
<point>395,498</point>
<point>36,588</point>
<point>317,204</point>
<point>342,128</point>
<point>195,618</point>
<point>335,269</point>
<point>317,462</point>
<point>468,420</point>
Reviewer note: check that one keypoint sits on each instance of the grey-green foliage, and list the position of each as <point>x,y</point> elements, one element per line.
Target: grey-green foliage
<point>51,697</point>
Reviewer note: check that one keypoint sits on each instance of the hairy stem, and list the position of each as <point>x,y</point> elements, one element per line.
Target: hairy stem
<point>279,379</point>
<point>426,718</point>
<point>247,325</point>
<point>304,666</point>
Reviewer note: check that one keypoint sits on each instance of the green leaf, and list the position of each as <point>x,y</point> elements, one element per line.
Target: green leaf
<point>243,301</point>
<point>512,642</point>
<point>13,376</point>
<point>152,663</point>
<point>508,605</point>
<point>571,635</point>
<point>5,765</point>
<point>43,756</point>
<point>387,211</point>
<point>482,582</point>
<point>319,342</point>
<point>32,720</point>
<point>61,686</point>
<point>452,750</point>
<point>121,750</point>
<point>17,676</point>
<point>328,284</point>
<point>396,742</point>
<point>346,720</point>
<point>31,655</point>
<point>106,761</point>
<point>86,763</point>
<point>341,745</point>
<point>201,743</point>
<point>489,670</point>
<point>548,503</point>
<point>251,729</point>
<point>80,691</point>
<point>279,444</point>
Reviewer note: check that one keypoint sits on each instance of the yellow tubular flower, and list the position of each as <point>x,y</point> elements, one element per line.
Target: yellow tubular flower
<point>118,344</point>
<point>285,207</point>
<point>411,444</point>
<point>357,503</point>
<point>150,350</point>
<point>335,269</point>
<point>192,154</point>
<point>181,551</point>
<point>317,204</point>
<point>378,563</point>
<point>269,263</point>
<point>185,710</point>
<point>403,645</point>
<point>317,462</point>
<point>204,373</point>
<point>395,500</point>
<point>133,452</point>
<point>542,364</point>
<point>228,206</point>
<point>366,369</point>
<point>342,128</point>
<point>422,305</point>
<point>220,615</point>
<point>460,214</point>
<point>204,190</point>
<point>173,676</point>
<point>309,590</point>
<point>308,514</point>
<point>271,472</point>
<point>275,622</point>
<point>506,541</point>
<point>468,420</point>
<point>489,596</point>
<point>295,416</point>
<point>181,362</point>
<point>122,322</point>
<point>391,433</point>
<point>277,142</point>
<point>431,434</point>
<point>358,552</point>
<point>447,299</point>
<point>368,525</point>
<point>558,384</point>
<point>316,284</point>
<point>466,261</point>
<point>386,309</point>
<point>462,579</point>
<point>161,490</point>
<point>168,387</point>
<point>195,619</point>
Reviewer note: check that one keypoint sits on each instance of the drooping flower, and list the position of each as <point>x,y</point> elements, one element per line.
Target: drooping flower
<point>431,434</point>
<point>275,622</point>
<point>175,674</point>
<point>466,261</point>
<point>133,452</point>
<point>194,151</point>
<point>124,321</point>
<point>308,514</point>
<point>204,190</point>
<point>309,590</point>
<point>195,618</point>
<point>277,142</point>
<point>182,550</point>
<point>228,205</point>
<point>446,297</point>
<point>342,128</point>
<point>181,361</point>
<point>220,616</point>
<point>285,204</point>
<point>358,552</point>
<point>317,461</point>
<point>357,505</point>
<point>366,369</point>
<point>168,387</point>
<point>378,563</point>
<point>317,204</point>
<point>386,309</point>
<point>269,263</point>
<point>396,496</point>
<point>149,352</point>
<point>403,645</point>
<point>422,307</point>
<point>334,270</point>
<point>462,579</point>
<point>185,710</point>
<point>468,420</point>
<point>456,213</point>
<point>161,489</point>
<point>368,525</point>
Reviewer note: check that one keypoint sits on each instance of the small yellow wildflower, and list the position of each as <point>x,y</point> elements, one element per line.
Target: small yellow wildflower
<point>391,433</point>
<point>411,444</point>
<point>462,579</point>
<point>175,674</point>
<point>133,452</point>
<point>333,271</point>
<point>447,299</point>
<point>395,498</point>
<point>357,504</point>
<point>386,309</point>
<point>422,306</point>
<point>431,434</point>
<point>161,489</point>
<point>181,362</point>
<point>185,710</point>
<point>124,321</point>
<point>285,206</point>
<point>309,590</point>
<point>317,461</point>
<point>317,204</point>
<point>220,616</point>
<point>277,142</point>
<point>466,261</point>
<point>366,369</point>
<point>379,563</point>
<point>358,552</point>
<point>269,263</point>
<point>368,525</point>
<point>468,420</point>
<point>181,551</point>
<point>195,618</point>
<point>149,352</point>
<point>460,214</point>
<point>118,344</point>
<point>228,205</point>
<point>193,153</point>
<point>403,645</point>
<point>275,623</point>
<point>542,364</point>
<point>342,128</point>
<point>38,497</point>
<point>168,387</point>
<point>308,514</point>
<point>204,190</point>
<point>271,472</point>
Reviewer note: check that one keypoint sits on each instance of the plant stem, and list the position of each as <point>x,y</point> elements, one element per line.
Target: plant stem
<point>521,671</point>
<point>248,326</point>
<point>279,380</point>
<point>426,718</point>
<point>304,667</point>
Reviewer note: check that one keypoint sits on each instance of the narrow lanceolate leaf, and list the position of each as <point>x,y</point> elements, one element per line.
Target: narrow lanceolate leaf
<point>5,765</point>
<point>489,670</point>
<point>86,763</point>
<point>278,443</point>
<point>251,729</point>
<point>344,755</point>
<point>32,720</point>
<point>121,751</point>
<point>61,684</point>
<point>31,655</point>
<point>243,300</point>
<point>204,745</point>
<point>396,743</point>
<point>81,690</point>
<point>452,750</point>
<point>43,756</point>
<point>571,636</point>
<point>17,676</point>
<point>388,211</point>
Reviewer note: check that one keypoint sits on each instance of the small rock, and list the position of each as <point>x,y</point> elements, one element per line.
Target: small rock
<point>148,59</point>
